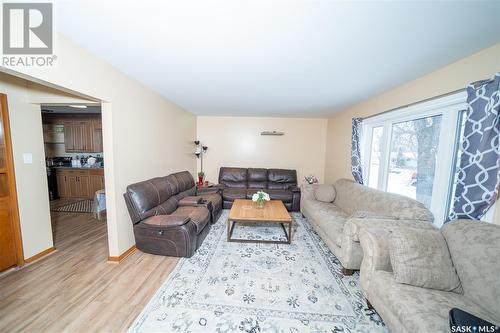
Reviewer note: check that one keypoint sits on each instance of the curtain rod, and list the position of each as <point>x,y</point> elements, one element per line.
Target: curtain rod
<point>414,103</point>
<point>476,85</point>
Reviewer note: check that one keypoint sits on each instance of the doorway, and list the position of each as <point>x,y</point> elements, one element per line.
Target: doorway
<point>11,251</point>
<point>75,171</point>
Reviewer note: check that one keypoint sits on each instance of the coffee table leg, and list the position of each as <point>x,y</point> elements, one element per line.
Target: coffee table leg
<point>289,232</point>
<point>228,230</point>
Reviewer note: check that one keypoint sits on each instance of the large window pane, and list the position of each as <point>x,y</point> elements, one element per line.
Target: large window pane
<point>456,159</point>
<point>375,156</point>
<point>412,164</point>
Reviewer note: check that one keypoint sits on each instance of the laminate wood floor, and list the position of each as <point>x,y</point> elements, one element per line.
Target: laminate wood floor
<point>75,289</point>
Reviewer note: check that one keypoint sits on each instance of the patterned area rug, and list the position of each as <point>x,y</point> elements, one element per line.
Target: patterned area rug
<point>83,206</point>
<point>247,287</point>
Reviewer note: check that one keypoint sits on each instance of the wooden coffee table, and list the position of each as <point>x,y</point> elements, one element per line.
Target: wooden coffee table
<point>274,211</point>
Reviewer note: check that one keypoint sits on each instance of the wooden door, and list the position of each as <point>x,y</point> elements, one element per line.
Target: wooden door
<point>97,183</point>
<point>69,142</point>
<point>97,141</point>
<point>11,253</point>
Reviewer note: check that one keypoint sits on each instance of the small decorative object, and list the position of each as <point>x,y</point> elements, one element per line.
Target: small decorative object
<point>311,179</point>
<point>260,198</point>
<point>201,174</point>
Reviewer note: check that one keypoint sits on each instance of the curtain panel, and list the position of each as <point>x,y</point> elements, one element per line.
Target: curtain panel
<point>356,166</point>
<point>479,171</point>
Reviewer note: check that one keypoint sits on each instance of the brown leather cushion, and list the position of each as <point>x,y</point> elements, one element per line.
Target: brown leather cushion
<point>257,178</point>
<point>167,220</point>
<point>229,194</point>
<point>200,216</point>
<point>281,179</point>
<point>190,201</point>
<point>233,177</point>
<point>148,196</point>
<point>214,198</point>
<point>185,180</point>
<point>283,195</point>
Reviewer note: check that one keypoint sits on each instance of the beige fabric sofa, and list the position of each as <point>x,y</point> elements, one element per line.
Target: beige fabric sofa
<point>474,248</point>
<point>354,207</point>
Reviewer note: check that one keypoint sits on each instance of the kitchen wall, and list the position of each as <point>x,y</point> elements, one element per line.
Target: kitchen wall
<point>481,65</point>
<point>236,141</point>
<point>144,134</point>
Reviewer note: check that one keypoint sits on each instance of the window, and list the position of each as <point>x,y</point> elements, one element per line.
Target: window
<point>412,151</point>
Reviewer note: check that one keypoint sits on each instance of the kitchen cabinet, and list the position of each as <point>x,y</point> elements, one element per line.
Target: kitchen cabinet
<point>82,133</point>
<point>78,136</point>
<point>79,183</point>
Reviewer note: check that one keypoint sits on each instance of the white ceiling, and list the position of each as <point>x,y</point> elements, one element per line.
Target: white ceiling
<point>277,58</point>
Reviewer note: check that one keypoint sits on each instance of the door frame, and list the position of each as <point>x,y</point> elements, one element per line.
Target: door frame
<point>18,242</point>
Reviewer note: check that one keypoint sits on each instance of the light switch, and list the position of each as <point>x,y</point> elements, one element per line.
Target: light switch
<point>28,158</point>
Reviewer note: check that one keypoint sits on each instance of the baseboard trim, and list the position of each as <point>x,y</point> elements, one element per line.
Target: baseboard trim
<point>121,257</point>
<point>40,255</point>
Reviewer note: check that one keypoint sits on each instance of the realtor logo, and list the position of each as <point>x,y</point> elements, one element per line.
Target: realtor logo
<point>27,28</point>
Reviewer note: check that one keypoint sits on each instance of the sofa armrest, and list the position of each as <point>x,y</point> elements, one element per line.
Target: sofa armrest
<point>167,221</point>
<point>376,255</point>
<point>190,201</point>
<point>295,189</point>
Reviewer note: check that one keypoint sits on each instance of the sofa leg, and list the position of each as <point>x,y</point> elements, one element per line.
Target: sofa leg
<point>302,216</point>
<point>369,305</point>
<point>347,272</point>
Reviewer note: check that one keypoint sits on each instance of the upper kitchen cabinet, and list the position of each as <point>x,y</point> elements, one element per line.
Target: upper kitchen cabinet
<point>82,133</point>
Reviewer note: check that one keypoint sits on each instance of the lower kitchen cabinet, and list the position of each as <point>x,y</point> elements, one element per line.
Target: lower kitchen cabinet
<point>79,183</point>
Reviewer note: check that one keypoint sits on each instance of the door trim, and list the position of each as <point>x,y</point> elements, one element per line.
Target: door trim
<point>18,242</point>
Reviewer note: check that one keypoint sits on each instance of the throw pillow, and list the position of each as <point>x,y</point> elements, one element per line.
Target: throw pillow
<point>420,257</point>
<point>324,192</point>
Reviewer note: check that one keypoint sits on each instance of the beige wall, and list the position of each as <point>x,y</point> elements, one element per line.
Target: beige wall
<point>31,179</point>
<point>236,141</point>
<point>144,134</point>
<point>478,66</point>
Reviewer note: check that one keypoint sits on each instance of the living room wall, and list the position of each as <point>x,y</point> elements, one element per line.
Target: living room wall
<point>236,141</point>
<point>457,75</point>
<point>144,134</point>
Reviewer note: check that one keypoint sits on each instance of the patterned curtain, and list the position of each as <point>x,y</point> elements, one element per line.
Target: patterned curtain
<point>479,172</point>
<point>357,169</point>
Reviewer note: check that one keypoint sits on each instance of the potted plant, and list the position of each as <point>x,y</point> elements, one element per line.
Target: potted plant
<point>201,174</point>
<point>260,198</point>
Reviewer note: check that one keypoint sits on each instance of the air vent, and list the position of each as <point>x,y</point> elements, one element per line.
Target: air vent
<point>272,133</point>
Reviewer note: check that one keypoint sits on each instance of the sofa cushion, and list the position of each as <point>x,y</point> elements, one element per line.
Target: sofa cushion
<point>281,179</point>
<point>200,216</point>
<point>148,196</point>
<point>352,197</point>
<point>283,195</point>
<point>420,257</point>
<point>324,192</point>
<point>475,249</point>
<point>233,177</point>
<point>257,178</point>
<point>419,309</point>
<point>185,180</point>
<point>230,194</point>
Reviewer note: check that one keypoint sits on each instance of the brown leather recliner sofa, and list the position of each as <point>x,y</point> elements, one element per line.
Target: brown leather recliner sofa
<point>242,183</point>
<point>169,217</point>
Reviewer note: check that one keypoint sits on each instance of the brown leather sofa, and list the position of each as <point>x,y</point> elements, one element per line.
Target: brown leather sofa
<point>169,218</point>
<point>242,183</point>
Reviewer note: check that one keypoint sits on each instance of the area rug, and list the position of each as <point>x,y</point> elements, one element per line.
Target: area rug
<point>82,206</point>
<point>248,287</point>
